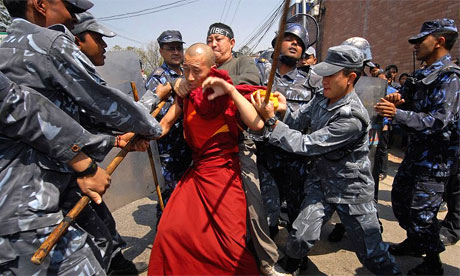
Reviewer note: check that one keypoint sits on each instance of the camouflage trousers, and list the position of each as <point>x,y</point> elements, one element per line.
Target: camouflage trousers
<point>361,225</point>
<point>416,198</point>
<point>283,181</point>
<point>72,255</point>
<point>450,226</point>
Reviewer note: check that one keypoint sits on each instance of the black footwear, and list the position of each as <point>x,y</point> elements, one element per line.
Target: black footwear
<point>405,248</point>
<point>337,234</point>
<point>447,240</point>
<point>121,266</point>
<point>292,265</point>
<point>303,264</point>
<point>431,265</point>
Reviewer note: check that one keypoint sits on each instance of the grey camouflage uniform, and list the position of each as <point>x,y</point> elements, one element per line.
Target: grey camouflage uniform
<point>282,174</point>
<point>340,179</point>
<point>34,130</point>
<point>49,61</point>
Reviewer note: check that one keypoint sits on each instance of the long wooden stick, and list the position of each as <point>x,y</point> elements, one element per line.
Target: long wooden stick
<point>277,50</point>
<point>149,153</point>
<point>56,234</point>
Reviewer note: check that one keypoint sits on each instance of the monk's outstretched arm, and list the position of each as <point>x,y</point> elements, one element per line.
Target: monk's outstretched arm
<point>248,112</point>
<point>170,118</point>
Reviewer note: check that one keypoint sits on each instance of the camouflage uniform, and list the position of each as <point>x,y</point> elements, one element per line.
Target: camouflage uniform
<point>175,155</point>
<point>429,115</point>
<point>5,19</point>
<point>340,179</point>
<point>36,140</point>
<point>282,174</point>
<point>49,61</point>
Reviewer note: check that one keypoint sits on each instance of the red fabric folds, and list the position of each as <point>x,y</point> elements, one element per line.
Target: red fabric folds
<point>203,228</point>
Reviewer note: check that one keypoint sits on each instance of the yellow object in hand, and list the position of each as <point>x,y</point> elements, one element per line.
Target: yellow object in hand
<point>273,99</point>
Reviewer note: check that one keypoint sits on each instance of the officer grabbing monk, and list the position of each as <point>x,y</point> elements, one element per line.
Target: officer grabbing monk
<point>427,107</point>
<point>282,173</point>
<point>340,178</point>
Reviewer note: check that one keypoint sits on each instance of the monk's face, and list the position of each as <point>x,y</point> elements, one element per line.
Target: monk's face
<point>196,69</point>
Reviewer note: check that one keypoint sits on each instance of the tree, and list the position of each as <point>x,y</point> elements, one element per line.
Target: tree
<point>5,18</point>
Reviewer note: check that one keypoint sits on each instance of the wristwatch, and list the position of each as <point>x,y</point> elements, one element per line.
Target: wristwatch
<point>270,123</point>
<point>91,170</point>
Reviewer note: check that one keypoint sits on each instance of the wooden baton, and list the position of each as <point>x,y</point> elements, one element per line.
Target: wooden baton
<point>276,53</point>
<point>56,234</point>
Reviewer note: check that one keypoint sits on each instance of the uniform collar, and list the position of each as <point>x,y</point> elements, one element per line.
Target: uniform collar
<point>170,70</point>
<point>291,75</point>
<point>436,65</point>
<point>343,101</point>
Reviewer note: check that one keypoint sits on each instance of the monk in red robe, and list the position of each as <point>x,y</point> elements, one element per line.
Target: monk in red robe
<point>203,228</point>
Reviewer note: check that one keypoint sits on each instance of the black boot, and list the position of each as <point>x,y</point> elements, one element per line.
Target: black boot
<point>431,265</point>
<point>405,249</point>
<point>121,266</point>
<point>292,265</point>
<point>337,234</point>
<point>304,264</point>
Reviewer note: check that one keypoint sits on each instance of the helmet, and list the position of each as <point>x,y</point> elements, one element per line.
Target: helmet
<point>364,46</point>
<point>297,30</point>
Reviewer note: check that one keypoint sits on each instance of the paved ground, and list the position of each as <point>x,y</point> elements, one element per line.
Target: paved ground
<point>136,223</point>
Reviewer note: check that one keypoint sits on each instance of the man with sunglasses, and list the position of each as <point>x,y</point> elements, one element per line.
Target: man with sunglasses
<point>427,107</point>
<point>175,155</point>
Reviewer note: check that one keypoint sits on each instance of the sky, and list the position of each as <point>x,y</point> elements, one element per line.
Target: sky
<point>192,20</point>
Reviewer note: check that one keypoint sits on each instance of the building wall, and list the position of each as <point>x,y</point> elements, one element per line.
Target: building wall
<point>386,24</point>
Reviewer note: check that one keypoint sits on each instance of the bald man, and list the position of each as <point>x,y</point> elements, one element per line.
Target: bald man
<point>203,229</point>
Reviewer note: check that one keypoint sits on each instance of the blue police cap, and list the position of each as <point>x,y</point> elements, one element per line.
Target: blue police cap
<point>170,36</point>
<point>80,5</point>
<point>338,58</point>
<point>86,22</point>
<point>429,27</point>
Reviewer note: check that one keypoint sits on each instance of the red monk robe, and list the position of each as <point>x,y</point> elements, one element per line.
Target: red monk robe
<point>203,228</point>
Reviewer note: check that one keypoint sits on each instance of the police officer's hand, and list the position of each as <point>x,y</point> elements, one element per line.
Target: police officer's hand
<point>94,185</point>
<point>385,108</point>
<point>140,144</point>
<point>266,111</point>
<point>163,91</point>
<point>181,87</point>
<point>395,98</point>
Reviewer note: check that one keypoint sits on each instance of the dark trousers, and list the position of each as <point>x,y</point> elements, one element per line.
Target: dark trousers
<point>380,160</point>
<point>415,199</point>
<point>450,226</point>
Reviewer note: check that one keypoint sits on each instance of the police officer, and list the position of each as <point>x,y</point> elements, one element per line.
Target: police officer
<point>340,179</point>
<point>46,60</point>
<point>365,47</point>
<point>34,130</point>
<point>428,108</point>
<point>282,173</point>
<point>175,155</point>
<point>100,224</point>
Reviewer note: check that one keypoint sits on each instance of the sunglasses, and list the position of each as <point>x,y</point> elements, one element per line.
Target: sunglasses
<point>173,48</point>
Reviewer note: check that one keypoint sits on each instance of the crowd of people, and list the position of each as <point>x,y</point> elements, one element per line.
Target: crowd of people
<point>229,158</point>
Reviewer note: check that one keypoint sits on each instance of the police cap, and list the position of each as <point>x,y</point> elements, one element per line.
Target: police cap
<point>79,6</point>
<point>170,36</point>
<point>338,58</point>
<point>429,27</point>
<point>87,22</point>
<point>364,46</point>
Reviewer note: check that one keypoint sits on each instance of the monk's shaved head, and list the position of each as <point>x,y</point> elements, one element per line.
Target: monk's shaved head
<point>201,49</point>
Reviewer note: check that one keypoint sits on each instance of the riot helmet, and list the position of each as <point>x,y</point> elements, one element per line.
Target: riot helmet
<point>364,46</point>
<point>297,30</point>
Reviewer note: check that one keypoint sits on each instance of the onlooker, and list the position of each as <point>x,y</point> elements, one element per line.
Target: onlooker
<point>402,78</point>
<point>391,71</point>
<point>374,71</point>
